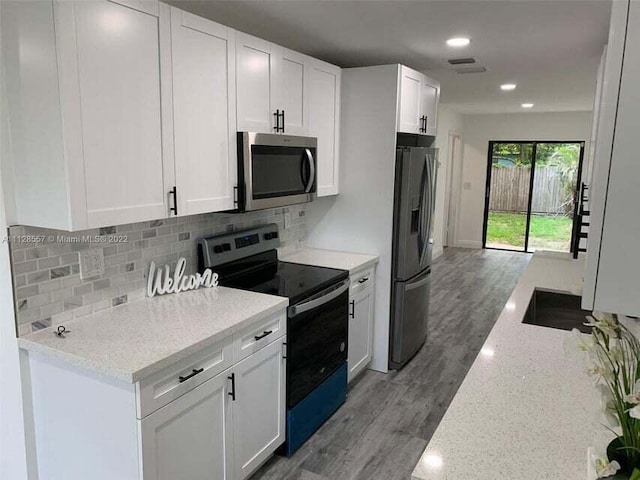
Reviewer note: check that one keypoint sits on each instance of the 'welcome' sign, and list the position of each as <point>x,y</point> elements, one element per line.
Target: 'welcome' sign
<point>161,281</point>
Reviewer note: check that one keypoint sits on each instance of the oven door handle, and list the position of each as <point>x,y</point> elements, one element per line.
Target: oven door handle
<point>312,170</point>
<point>316,302</point>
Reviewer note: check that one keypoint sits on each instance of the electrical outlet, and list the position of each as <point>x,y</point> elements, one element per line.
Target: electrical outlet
<point>287,220</point>
<point>91,263</point>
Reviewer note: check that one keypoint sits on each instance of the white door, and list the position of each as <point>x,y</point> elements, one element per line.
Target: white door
<point>256,68</point>
<point>203,55</point>
<point>360,331</point>
<point>191,438</point>
<point>259,407</point>
<point>410,101</point>
<point>324,124</point>
<point>292,90</point>
<point>430,96</point>
<point>110,83</point>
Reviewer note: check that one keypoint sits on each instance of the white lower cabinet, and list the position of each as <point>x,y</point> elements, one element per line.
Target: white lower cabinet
<point>360,323</point>
<point>259,408</point>
<point>223,429</point>
<point>192,437</point>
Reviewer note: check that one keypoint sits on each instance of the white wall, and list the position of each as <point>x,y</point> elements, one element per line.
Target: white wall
<point>479,130</point>
<point>448,122</point>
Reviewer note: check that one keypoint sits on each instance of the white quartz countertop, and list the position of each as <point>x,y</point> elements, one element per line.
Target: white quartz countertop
<point>352,262</point>
<point>526,410</point>
<point>134,340</point>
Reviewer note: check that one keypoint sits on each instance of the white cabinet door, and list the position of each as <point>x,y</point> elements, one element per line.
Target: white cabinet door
<point>410,100</point>
<point>110,67</point>
<point>324,124</point>
<point>360,331</point>
<point>292,89</point>
<point>259,407</point>
<point>256,84</point>
<point>203,56</point>
<point>430,96</point>
<point>191,438</point>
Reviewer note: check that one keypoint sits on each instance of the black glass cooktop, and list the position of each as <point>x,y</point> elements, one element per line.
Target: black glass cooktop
<point>265,274</point>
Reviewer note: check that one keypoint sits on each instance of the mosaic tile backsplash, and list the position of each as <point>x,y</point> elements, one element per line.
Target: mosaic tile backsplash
<point>48,289</point>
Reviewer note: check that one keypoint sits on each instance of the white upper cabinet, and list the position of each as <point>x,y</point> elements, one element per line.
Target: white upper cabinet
<point>324,123</point>
<point>104,91</point>
<point>430,95</point>
<point>410,100</point>
<point>256,84</point>
<point>418,103</point>
<point>292,89</point>
<point>203,58</point>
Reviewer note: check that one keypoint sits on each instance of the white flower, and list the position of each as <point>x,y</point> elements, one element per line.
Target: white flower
<point>604,322</point>
<point>635,412</point>
<point>605,468</point>
<point>577,343</point>
<point>634,397</point>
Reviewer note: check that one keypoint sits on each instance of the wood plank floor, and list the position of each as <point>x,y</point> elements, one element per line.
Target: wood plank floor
<point>388,420</point>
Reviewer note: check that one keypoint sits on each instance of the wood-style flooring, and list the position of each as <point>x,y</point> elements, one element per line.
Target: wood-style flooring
<point>387,421</point>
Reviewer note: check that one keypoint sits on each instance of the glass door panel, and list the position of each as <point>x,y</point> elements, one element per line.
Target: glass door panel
<point>508,195</point>
<point>553,196</point>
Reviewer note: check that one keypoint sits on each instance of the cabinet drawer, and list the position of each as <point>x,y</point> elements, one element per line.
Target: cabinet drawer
<point>361,280</point>
<point>258,335</point>
<point>166,385</point>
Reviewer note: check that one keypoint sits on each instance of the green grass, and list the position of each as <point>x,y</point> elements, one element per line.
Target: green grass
<point>547,232</point>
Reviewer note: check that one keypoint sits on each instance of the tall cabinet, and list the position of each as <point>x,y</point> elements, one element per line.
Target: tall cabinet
<point>612,276</point>
<point>360,219</point>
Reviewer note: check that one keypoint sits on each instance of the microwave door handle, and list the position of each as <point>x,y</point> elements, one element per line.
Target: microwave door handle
<point>312,170</point>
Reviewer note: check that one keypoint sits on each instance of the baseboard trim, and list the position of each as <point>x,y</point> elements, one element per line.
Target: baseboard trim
<point>468,244</point>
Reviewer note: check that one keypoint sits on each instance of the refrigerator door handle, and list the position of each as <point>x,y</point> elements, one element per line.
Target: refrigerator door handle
<point>427,207</point>
<point>422,240</point>
<point>420,283</point>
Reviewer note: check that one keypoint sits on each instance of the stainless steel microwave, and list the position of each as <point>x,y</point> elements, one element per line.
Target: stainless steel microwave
<point>275,170</point>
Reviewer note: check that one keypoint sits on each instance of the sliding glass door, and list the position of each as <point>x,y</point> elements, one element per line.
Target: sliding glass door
<point>530,195</point>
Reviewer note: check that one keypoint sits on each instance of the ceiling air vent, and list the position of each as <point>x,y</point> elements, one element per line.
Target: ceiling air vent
<point>465,70</point>
<point>461,61</point>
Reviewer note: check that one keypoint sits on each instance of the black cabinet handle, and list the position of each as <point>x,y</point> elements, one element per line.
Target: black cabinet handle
<point>232,377</point>
<point>193,373</point>
<point>174,192</point>
<point>282,121</point>
<point>426,122</point>
<point>284,344</point>
<point>277,115</point>
<point>352,314</point>
<point>264,334</point>
<point>362,280</point>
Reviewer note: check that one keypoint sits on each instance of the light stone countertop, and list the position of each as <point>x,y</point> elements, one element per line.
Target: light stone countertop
<point>135,340</point>
<point>526,410</point>
<point>353,262</point>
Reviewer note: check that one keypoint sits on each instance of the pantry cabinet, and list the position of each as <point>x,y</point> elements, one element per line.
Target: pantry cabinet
<point>418,102</point>
<point>87,115</point>
<point>204,110</point>
<point>324,123</point>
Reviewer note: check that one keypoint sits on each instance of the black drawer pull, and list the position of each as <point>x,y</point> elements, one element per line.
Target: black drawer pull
<point>362,280</point>
<point>352,314</point>
<point>264,334</point>
<point>232,377</point>
<point>193,373</point>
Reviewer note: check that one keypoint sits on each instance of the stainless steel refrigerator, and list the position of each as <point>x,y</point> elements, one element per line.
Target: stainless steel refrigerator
<point>414,199</point>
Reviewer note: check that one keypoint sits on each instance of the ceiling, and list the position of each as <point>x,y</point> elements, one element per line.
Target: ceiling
<point>550,48</point>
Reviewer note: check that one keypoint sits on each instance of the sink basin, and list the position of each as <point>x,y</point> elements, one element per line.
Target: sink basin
<point>556,310</point>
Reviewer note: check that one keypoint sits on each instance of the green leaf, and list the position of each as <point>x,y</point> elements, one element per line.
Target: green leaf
<point>635,475</point>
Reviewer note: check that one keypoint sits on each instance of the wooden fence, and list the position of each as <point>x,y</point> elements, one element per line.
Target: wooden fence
<point>510,189</point>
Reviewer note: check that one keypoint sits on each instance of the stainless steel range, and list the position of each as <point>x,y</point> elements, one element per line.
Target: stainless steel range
<point>317,320</point>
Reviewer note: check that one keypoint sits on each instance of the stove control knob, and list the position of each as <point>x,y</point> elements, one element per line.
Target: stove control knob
<point>217,249</point>
<point>226,247</point>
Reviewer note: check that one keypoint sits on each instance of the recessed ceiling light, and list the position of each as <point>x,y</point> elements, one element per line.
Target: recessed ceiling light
<point>508,86</point>
<point>527,105</point>
<point>458,42</point>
